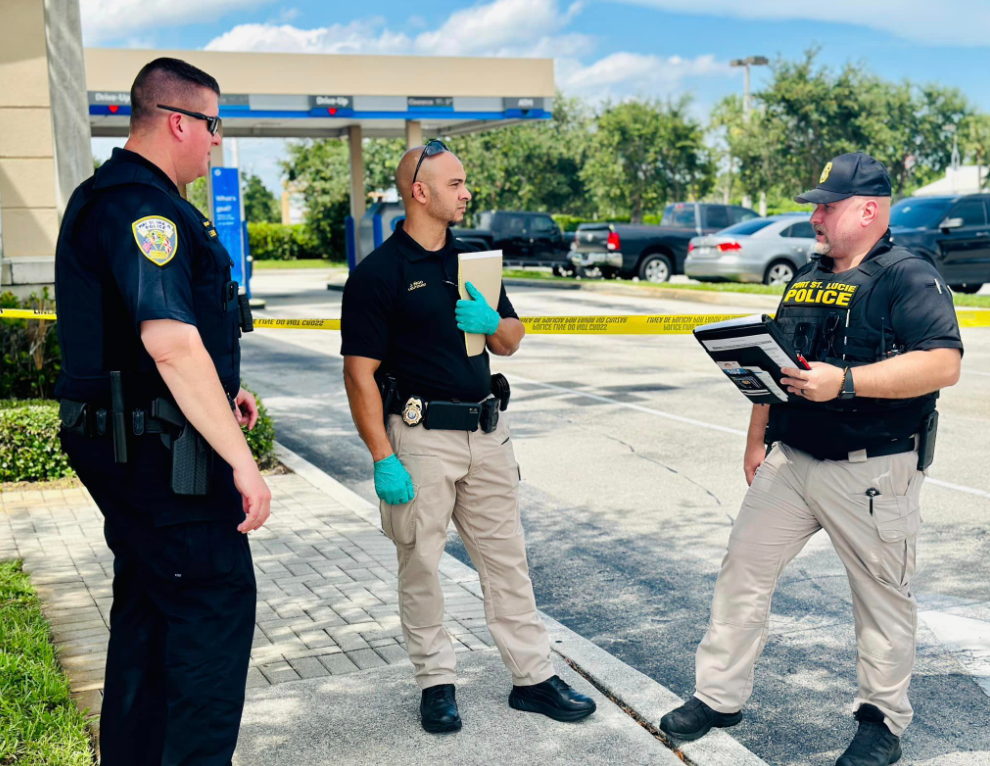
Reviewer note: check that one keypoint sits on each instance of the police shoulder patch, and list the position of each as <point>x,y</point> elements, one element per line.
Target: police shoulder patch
<point>157,238</point>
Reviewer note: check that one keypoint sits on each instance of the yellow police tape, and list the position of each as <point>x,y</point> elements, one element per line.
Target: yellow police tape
<point>637,324</point>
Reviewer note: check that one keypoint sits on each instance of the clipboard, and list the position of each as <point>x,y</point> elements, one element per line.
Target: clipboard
<point>751,352</point>
<point>484,271</point>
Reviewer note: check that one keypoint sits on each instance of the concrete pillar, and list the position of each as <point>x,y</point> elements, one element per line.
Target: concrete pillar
<point>358,197</point>
<point>414,133</point>
<point>44,135</point>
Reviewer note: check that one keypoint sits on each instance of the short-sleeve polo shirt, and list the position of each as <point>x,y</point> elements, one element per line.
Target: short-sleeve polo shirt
<point>398,308</point>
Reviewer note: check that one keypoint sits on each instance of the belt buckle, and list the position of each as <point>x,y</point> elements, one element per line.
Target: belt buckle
<point>412,412</point>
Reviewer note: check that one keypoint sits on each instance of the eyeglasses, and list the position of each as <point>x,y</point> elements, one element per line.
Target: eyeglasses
<point>432,149</point>
<point>212,123</point>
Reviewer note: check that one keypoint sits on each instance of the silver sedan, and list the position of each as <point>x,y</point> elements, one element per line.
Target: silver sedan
<point>768,250</point>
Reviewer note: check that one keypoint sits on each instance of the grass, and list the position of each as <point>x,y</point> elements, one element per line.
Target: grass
<point>959,299</point>
<point>40,724</point>
<point>302,263</point>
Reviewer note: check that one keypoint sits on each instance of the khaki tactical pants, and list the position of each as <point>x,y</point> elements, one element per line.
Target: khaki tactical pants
<point>472,477</point>
<point>792,497</point>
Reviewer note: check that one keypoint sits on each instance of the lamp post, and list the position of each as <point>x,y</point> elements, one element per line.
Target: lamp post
<point>747,63</point>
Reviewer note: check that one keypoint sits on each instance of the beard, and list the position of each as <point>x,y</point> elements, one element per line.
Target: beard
<point>822,248</point>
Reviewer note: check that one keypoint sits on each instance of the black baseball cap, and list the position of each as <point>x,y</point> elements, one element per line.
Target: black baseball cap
<point>849,175</point>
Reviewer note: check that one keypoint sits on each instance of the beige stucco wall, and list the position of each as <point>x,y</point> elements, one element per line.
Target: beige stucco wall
<point>113,69</point>
<point>28,215</point>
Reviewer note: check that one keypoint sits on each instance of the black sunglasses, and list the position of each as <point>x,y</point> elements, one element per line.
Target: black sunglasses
<point>212,123</point>
<point>432,149</point>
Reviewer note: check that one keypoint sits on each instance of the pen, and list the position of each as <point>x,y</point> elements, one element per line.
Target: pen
<point>804,362</point>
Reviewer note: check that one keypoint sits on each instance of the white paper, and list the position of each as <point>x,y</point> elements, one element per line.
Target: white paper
<point>765,342</point>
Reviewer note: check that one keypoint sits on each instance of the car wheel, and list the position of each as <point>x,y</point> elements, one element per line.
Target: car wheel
<point>778,273</point>
<point>655,268</point>
<point>969,288</point>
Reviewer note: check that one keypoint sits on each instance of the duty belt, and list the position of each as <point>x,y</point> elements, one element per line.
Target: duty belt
<point>446,416</point>
<point>895,447</point>
<point>92,421</point>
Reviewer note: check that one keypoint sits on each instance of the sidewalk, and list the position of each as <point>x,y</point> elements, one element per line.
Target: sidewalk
<point>329,676</point>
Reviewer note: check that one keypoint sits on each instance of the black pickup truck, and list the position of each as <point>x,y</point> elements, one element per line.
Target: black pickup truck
<point>652,253</point>
<point>952,232</point>
<point>525,239</point>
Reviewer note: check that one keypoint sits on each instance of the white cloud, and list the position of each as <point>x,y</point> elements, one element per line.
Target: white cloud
<point>654,74</point>
<point>114,19</point>
<point>950,22</point>
<point>361,36</point>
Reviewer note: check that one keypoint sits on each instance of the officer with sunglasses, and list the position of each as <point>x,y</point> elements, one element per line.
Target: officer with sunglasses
<point>151,409</point>
<point>426,411</point>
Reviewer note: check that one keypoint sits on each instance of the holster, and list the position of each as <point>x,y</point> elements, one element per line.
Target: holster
<point>192,455</point>
<point>388,387</point>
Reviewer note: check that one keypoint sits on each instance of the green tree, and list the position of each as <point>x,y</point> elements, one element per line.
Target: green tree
<point>198,195</point>
<point>321,168</point>
<point>643,154</point>
<point>260,205</point>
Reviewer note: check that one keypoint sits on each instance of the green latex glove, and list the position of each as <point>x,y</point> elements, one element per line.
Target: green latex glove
<point>476,315</point>
<point>393,484</point>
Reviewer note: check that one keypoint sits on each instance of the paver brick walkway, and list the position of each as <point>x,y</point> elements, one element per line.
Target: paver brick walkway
<point>327,601</point>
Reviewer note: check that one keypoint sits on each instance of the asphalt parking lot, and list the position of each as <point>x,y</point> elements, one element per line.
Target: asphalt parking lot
<point>631,456</point>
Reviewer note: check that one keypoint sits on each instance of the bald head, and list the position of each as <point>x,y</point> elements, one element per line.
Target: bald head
<point>439,192</point>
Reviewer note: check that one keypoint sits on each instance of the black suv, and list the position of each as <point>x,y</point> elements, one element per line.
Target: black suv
<point>525,239</point>
<point>952,232</point>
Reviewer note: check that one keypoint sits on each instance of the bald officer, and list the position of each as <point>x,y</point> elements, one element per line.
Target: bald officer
<point>445,453</point>
<point>879,328</point>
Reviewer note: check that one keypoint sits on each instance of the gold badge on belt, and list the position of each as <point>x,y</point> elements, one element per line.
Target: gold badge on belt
<point>412,413</point>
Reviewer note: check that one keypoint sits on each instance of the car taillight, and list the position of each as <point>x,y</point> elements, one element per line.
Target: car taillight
<point>575,237</point>
<point>614,243</point>
<point>690,246</point>
<point>726,246</point>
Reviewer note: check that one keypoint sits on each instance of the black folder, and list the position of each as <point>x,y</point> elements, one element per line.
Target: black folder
<point>751,352</point>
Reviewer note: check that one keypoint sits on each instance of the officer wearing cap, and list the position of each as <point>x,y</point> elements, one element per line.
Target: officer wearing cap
<point>426,412</point>
<point>148,325</point>
<point>847,455</point>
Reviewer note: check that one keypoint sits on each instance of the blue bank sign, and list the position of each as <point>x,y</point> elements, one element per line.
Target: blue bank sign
<point>227,217</point>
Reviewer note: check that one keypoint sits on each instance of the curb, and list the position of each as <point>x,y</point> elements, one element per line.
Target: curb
<point>647,699</point>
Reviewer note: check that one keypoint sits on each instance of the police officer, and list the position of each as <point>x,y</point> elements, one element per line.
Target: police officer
<point>848,456</point>
<point>149,388</point>
<point>445,453</point>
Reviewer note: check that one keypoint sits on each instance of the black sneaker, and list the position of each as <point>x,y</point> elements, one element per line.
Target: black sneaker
<point>438,709</point>
<point>694,719</point>
<point>553,698</point>
<point>873,744</point>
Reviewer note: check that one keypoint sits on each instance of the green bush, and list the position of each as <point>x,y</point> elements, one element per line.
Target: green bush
<point>29,445</point>
<point>281,242</point>
<point>28,351</point>
<point>30,449</point>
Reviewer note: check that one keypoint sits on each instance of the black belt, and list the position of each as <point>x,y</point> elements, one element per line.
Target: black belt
<point>895,447</point>
<point>442,415</point>
<point>94,422</point>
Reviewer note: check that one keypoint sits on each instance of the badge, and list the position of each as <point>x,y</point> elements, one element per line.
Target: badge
<point>825,172</point>
<point>157,237</point>
<point>412,413</point>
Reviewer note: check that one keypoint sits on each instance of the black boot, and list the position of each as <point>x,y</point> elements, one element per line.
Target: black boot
<point>438,709</point>
<point>694,719</point>
<point>873,744</point>
<point>553,698</point>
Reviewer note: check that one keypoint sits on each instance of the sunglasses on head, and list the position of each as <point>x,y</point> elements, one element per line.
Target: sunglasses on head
<point>432,149</point>
<point>212,123</point>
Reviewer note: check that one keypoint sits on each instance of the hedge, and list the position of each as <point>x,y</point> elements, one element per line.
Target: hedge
<point>281,242</point>
<point>30,449</point>
<point>29,353</point>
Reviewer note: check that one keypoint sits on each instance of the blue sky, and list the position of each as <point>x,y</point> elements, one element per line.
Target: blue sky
<point>602,48</point>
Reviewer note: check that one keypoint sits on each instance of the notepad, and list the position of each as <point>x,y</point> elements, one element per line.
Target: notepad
<point>751,352</point>
<point>484,271</point>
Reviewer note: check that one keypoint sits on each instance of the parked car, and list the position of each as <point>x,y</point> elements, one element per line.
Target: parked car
<point>525,239</point>
<point>652,253</point>
<point>768,250</point>
<point>952,232</point>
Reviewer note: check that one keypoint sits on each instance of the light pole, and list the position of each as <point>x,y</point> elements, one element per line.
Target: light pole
<point>747,63</point>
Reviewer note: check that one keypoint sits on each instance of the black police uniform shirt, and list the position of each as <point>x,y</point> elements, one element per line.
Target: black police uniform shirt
<point>398,308</point>
<point>915,306</point>
<point>130,250</point>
